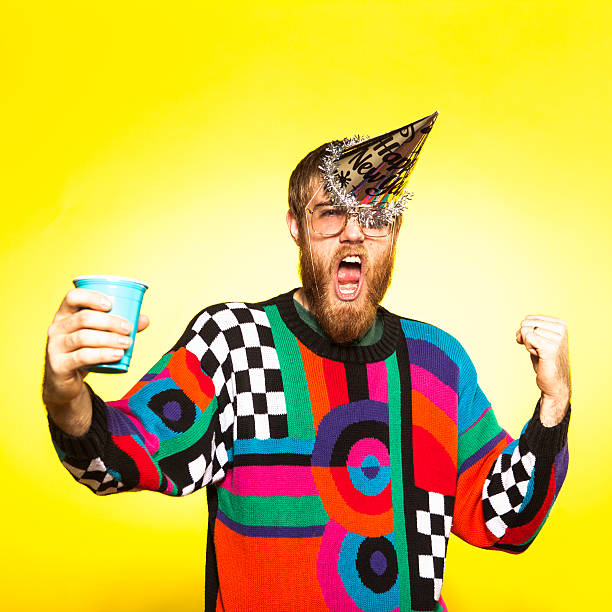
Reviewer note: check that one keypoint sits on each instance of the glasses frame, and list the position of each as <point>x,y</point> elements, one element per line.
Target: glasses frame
<point>348,215</point>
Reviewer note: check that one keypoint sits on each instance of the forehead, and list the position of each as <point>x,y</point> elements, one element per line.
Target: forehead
<point>319,194</point>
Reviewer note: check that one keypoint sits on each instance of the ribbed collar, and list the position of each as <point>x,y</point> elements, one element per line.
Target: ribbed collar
<point>325,347</point>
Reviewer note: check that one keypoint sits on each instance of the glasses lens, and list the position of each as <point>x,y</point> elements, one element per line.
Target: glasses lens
<point>374,225</point>
<point>328,219</point>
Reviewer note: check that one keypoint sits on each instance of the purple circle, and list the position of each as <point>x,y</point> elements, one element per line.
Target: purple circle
<point>378,562</point>
<point>172,411</point>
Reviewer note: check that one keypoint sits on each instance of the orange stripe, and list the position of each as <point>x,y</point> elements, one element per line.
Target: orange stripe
<point>468,522</point>
<point>315,378</point>
<point>196,385</point>
<point>258,574</point>
<point>427,415</point>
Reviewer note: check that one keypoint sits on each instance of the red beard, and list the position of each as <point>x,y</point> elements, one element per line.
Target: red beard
<point>344,321</point>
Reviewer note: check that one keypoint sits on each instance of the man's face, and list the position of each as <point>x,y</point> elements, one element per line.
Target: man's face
<point>346,277</point>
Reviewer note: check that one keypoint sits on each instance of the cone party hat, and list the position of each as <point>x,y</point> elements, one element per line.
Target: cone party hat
<point>375,171</point>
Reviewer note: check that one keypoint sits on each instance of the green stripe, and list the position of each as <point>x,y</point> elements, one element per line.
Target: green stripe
<point>476,437</point>
<point>187,438</point>
<point>297,398</point>
<point>160,365</point>
<point>397,480</point>
<point>273,511</point>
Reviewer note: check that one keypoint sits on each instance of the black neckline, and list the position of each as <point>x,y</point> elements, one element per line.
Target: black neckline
<point>325,347</point>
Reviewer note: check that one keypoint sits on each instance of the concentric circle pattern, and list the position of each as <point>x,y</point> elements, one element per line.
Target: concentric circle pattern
<point>358,573</point>
<point>174,408</point>
<point>357,564</point>
<point>352,469</point>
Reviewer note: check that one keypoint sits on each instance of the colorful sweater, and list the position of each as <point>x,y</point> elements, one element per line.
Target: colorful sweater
<point>334,474</point>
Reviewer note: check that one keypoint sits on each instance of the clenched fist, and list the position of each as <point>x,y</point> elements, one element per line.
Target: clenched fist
<point>546,340</point>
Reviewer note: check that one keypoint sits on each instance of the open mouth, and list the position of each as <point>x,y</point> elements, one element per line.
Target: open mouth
<point>348,277</point>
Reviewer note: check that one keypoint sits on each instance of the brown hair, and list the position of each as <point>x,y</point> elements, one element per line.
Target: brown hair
<point>303,180</point>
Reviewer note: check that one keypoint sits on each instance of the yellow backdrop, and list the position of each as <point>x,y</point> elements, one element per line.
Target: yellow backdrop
<point>155,140</point>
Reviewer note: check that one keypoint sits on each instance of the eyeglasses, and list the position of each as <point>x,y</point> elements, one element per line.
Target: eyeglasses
<point>329,220</point>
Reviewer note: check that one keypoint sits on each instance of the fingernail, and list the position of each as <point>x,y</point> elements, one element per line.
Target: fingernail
<point>105,304</point>
<point>126,326</point>
<point>118,354</point>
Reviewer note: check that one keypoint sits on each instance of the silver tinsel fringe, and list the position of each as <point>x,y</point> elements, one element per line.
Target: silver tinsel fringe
<point>340,198</point>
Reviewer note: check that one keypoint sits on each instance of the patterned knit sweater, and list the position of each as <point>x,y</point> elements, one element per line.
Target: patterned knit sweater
<point>334,474</point>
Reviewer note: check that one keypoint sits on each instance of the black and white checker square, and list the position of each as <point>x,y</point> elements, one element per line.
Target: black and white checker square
<point>505,489</point>
<point>235,343</point>
<point>202,472</point>
<point>434,519</point>
<point>204,462</point>
<point>95,476</point>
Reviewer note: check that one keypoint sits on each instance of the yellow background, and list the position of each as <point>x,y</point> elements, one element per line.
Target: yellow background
<point>155,140</point>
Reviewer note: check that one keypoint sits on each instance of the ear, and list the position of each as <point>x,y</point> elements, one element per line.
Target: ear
<point>294,226</point>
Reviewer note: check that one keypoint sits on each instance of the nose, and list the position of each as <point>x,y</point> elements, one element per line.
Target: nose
<point>352,230</point>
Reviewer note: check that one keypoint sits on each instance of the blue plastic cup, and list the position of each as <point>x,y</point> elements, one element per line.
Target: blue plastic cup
<point>126,296</point>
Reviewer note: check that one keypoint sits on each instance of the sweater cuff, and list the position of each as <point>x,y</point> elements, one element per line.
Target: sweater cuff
<point>546,441</point>
<point>91,443</point>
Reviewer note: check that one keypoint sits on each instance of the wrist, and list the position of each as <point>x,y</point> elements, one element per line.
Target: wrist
<point>73,417</point>
<point>553,409</point>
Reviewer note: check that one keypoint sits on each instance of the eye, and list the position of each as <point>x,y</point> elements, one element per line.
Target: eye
<point>330,212</point>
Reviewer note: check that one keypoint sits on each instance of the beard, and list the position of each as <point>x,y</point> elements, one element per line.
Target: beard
<point>344,321</point>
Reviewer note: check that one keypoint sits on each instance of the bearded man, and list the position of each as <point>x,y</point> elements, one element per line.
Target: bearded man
<point>339,444</point>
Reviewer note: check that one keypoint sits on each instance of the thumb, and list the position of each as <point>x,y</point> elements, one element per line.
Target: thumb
<point>143,322</point>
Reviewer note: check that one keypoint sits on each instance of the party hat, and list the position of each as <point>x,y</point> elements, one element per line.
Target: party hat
<point>375,171</point>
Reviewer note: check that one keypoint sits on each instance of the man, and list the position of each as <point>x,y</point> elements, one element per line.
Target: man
<point>339,443</point>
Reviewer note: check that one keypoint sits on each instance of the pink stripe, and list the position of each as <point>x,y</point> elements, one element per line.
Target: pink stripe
<point>266,480</point>
<point>334,591</point>
<point>434,390</point>
<point>368,446</point>
<point>377,381</point>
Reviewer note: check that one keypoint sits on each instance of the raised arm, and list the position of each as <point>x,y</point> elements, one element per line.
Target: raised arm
<point>165,434</point>
<point>82,334</point>
<point>506,488</point>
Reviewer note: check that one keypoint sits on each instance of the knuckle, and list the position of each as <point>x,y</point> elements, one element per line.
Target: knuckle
<point>71,361</point>
<point>73,296</point>
<point>87,318</point>
<point>54,363</point>
<point>52,349</point>
<point>52,330</point>
<point>77,338</point>
<point>69,342</point>
<point>81,318</point>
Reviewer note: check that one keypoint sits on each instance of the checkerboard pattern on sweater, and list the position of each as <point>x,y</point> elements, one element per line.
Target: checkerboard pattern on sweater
<point>506,488</point>
<point>95,476</point>
<point>434,518</point>
<point>234,343</point>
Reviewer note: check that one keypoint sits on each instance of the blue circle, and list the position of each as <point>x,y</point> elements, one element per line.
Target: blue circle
<point>367,485</point>
<point>364,598</point>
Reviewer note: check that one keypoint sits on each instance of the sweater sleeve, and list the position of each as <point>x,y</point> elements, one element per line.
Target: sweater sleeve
<point>171,432</point>
<point>505,487</point>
